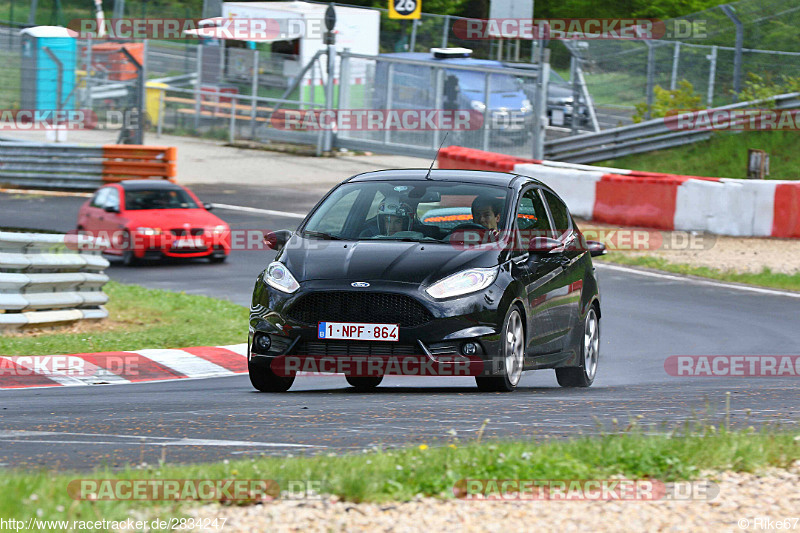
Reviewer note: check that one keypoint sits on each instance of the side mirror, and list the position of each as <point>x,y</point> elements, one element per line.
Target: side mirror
<point>111,209</point>
<point>596,248</point>
<point>276,240</point>
<point>208,207</point>
<point>543,245</point>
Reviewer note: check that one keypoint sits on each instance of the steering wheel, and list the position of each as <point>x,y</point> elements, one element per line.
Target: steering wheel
<point>468,225</point>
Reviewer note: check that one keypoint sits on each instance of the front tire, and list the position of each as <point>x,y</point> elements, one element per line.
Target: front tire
<point>513,355</point>
<point>583,376</point>
<point>265,380</point>
<point>365,383</point>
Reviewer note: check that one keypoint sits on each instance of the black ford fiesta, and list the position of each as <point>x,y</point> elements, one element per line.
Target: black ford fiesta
<point>419,272</point>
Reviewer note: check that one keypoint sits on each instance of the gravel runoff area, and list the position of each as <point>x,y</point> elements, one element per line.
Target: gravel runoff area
<point>743,500</point>
<point>739,254</point>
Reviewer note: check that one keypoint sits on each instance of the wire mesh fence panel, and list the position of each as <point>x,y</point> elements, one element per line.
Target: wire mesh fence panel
<point>168,59</point>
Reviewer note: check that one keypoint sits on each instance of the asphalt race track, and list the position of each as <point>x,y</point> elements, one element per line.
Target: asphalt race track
<point>646,318</point>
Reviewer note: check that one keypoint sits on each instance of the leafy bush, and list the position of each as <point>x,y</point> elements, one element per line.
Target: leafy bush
<point>665,101</point>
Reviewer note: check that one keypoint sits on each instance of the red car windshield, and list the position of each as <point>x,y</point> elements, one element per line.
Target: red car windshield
<point>158,199</point>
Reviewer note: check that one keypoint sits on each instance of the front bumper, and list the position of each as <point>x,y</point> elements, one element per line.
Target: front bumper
<point>433,348</point>
<point>167,245</point>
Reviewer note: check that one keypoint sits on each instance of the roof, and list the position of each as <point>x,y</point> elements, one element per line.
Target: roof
<point>48,31</point>
<point>296,8</point>
<point>136,185</point>
<point>427,56</point>
<point>484,177</point>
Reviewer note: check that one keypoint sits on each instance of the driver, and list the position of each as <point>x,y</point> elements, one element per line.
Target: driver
<point>486,212</point>
<point>394,216</point>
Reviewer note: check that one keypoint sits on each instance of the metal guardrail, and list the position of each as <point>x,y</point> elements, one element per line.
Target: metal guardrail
<point>645,136</point>
<point>70,166</point>
<point>82,167</point>
<point>45,282</point>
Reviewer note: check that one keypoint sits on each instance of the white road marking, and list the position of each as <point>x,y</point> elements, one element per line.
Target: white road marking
<point>19,436</point>
<point>286,214</point>
<point>710,282</point>
<point>184,362</point>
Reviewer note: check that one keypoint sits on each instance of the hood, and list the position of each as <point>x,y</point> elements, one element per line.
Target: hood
<point>405,262</point>
<point>173,218</point>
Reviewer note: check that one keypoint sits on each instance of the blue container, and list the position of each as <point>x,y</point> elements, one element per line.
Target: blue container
<point>40,72</point>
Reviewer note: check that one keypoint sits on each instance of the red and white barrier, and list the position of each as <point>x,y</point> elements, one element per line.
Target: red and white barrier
<point>723,206</point>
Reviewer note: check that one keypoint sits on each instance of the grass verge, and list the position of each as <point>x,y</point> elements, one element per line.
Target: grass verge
<point>404,474</point>
<point>765,278</point>
<point>140,318</point>
<point>724,155</point>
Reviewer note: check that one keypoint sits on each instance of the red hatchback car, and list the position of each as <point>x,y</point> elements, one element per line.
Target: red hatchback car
<point>149,219</point>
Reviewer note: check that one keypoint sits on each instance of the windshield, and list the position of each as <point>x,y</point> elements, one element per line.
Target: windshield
<point>407,210</point>
<point>470,81</point>
<point>159,199</point>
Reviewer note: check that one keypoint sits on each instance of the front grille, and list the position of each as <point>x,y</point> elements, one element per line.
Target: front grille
<point>355,348</point>
<point>183,232</point>
<point>371,307</point>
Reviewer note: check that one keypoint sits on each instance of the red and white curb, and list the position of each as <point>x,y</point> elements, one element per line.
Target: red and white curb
<point>115,368</point>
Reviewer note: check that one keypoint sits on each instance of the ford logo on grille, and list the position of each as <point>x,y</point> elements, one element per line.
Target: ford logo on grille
<point>359,284</point>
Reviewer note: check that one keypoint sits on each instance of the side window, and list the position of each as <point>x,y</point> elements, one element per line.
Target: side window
<point>99,199</point>
<point>561,218</point>
<point>531,214</point>
<point>113,198</point>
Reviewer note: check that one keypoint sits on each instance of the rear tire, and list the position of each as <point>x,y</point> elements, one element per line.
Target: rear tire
<point>265,380</point>
<point>365,383</point>
<point>583,376</point>
<point>512,357</point>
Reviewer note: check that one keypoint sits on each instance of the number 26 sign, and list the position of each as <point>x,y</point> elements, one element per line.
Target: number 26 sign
<point>405,9</point>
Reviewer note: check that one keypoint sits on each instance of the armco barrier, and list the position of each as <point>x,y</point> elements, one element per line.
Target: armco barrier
<point>761,208</point>
<point>82,167</point>
<point>45,282</point>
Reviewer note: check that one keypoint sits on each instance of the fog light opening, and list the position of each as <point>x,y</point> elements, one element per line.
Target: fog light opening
<point>469,348</point>
<point>263,343</point>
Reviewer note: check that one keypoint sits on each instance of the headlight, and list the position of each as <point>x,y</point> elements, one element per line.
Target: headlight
<point>148,231</point>
<point>527,107</point>
<point>478,106</point>
<point>278,277</point>
<point>217,230</point>
<point>463,282</point>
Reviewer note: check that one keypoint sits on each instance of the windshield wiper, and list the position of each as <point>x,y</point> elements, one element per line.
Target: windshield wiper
<point>322,235</point>
<point>411,239</point>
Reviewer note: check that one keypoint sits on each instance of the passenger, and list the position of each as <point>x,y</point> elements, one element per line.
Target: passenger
<point>486,212</point>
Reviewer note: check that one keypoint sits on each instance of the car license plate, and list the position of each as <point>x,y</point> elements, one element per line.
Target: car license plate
<point>189,243</point>
<point>355,331</point>
<point>558,117</point>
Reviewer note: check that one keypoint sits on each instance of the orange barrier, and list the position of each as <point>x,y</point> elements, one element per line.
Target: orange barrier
<point>132,161</point>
